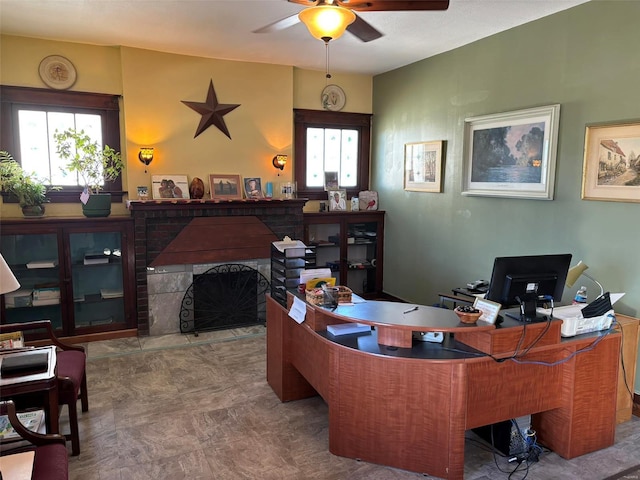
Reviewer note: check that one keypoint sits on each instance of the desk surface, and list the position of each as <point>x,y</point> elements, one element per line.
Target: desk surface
<point>405,316</point>
<point>412,413</point>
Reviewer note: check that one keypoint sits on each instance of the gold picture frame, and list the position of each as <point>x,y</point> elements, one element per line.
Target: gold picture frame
<point>423,166</point>
<point>225,187</point>
<point>611,169</point>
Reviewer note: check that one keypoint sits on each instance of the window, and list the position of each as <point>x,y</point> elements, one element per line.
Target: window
<point>331,142</point>
<point>30,117</point>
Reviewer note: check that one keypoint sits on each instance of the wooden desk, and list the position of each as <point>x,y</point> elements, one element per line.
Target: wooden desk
<point>44,382</point>
<point>410,407</point>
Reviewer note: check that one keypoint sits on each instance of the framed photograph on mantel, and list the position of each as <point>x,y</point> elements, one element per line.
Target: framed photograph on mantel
<point>225,187</point>
<point>423,166</point>
<point>611,169</point>
<point>168,187</point>
<point>511,154</point>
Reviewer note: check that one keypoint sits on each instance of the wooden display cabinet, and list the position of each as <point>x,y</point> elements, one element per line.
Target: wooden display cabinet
<point>352,245</point>
<point>76,272</point>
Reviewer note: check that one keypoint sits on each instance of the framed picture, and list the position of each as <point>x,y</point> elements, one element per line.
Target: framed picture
<point>368,200</point>
<point>611,169</point>
<point>337,200</point>
<point>225,187</point>
<point>253,187</point>
<point>489,309</point>
<point>331,181</point>
<point>423,166</point>
<point>167,187</point>
<point>511,154</point>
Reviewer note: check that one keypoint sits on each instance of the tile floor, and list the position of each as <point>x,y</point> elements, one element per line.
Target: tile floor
<point>177,406</point>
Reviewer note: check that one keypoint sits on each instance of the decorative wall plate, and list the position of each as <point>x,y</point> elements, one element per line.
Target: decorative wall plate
<point>333,98</point>
<point>57,72</point>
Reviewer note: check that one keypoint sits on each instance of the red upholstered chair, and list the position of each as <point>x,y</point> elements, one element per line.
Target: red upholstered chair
<point>72,376</point>
<point>51,461</point>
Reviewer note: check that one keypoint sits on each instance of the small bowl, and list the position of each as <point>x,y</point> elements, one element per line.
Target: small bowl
<point>466,317</point>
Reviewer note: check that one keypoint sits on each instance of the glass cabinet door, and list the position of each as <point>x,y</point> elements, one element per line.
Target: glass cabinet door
<point>34,261</point>
<point>326,237</point>
<point>362,251</point>
<point>97,278</point>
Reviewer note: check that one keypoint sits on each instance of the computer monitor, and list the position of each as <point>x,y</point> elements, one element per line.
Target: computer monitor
<point>524,280</point>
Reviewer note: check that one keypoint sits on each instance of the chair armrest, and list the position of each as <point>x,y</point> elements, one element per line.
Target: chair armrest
<point>8,408</point>
<point>40,325</point>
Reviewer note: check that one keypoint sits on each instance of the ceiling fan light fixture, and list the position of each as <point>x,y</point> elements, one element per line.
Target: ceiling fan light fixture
<point>327,22</point>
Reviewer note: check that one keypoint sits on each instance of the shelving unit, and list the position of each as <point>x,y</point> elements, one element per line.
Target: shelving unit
<point>80,297</point>
<point>351,244</point>
<point>286,267</point>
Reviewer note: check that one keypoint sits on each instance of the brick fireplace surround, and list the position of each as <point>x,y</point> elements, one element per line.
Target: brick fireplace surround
<point>158,225</point>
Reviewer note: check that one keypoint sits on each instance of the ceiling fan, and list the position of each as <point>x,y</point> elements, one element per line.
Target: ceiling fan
<point>360,28</point>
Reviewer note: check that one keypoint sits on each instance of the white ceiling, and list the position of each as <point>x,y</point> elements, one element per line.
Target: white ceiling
<point>223,29</point>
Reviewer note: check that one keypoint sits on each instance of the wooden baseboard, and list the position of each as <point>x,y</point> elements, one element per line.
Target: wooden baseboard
<point>91,337</point>
<point>636,405</point>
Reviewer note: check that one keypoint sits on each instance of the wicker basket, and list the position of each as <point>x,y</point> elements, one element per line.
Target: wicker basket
<point>466,317</point>
<point>316,296</point>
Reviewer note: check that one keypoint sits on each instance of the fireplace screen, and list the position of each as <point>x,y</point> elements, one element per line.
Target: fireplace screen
<point>226,296</point>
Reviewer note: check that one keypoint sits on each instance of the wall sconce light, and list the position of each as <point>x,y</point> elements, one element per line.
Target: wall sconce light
<point>279,161</point>
<point>146,156</point>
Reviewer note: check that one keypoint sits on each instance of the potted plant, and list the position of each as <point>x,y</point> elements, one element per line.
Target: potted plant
<point>93,164</point>
<point>30,191</point>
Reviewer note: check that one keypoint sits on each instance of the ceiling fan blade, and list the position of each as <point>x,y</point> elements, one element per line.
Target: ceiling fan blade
<point>279,24</point>
<point>391,5</point>
<point>363,30</point>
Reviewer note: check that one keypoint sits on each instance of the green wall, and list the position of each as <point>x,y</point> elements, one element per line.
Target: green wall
<point>586,59</point>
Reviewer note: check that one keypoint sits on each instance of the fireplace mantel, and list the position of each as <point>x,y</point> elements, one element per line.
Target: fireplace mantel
<point>158,222</point>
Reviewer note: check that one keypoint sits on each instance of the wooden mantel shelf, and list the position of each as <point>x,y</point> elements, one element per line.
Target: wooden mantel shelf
<point>191,204</point>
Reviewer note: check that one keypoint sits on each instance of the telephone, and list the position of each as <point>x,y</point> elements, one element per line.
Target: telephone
<point>477,284</point>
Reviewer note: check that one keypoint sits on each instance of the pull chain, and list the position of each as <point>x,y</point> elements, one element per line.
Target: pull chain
<point>326,45</point>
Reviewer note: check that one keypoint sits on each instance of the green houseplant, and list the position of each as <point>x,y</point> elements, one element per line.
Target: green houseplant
<point>93,164</point>
<point>30,190</point>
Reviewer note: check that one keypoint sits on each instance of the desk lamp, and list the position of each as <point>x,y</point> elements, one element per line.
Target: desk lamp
<point>575,272</point>
<point>8,283</point>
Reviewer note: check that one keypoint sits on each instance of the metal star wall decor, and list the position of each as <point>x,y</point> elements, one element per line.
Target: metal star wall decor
<point>212,112</point>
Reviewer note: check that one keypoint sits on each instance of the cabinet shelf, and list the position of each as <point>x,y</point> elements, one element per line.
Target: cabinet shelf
<point>347,238</point>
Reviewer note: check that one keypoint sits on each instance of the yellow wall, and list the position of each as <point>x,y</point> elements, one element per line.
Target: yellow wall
<point>153,86</point>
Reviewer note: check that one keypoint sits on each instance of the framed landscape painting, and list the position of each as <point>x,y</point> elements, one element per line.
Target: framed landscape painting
<point>225,187</point>
<point>611,169</point>
<point>511,154</point>
<point>423,166</point>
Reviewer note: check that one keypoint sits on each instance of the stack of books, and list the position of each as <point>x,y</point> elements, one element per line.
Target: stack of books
<point>46,296</point>
<point>33,420</point>
<point>110,293</point>
<point>17,299</point>
<point>95,259</point>
<point>42,264</point>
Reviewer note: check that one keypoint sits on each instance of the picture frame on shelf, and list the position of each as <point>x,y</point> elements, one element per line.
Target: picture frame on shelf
<point>225,186</point>
<point>511,154</point>
<point>612,162</point>
<point>423,166</point>
<point>253,187</point>
<point>368,200</point>
<point>169,187</point>
<point>331,181</point>
<point>489,309</point>
<point>337,200</point>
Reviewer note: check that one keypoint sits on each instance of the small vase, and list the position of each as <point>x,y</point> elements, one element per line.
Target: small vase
<point>33,211</point>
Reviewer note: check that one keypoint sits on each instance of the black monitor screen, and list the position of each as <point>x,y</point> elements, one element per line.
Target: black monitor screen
<point>516,280</point>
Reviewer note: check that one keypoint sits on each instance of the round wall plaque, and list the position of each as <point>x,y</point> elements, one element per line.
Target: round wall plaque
<point>57,72</point>
<point>333,98</point>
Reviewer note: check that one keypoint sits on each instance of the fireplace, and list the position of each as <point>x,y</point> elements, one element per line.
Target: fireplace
<point>230,295</point>
<point>177,241</point>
